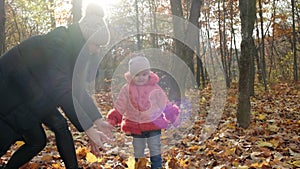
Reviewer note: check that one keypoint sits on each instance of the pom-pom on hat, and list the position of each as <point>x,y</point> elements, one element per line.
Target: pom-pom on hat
<point>94,9</point>
<point>92,20</point>
<point>138,64</point>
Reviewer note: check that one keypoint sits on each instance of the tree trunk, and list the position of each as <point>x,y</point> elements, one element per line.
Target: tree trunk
<point>247,15</point>
<point>252,68</point>
<point>52,7</point>
<point>178,28</point>
<point>272,47</point>
<point>233,53</point>
<point>193,36</point>
<point>222,42</point>
<point>257,59</point>
<point>2,27</point>
<point>262,47</point>
<point>138,36</point>
<point>153,10</point>
<point>76,10</point>
<point>294,43</point>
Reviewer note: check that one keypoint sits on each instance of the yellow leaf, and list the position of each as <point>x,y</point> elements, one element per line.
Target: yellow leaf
<point>261,116</point>
<point>243,167</point>
<point>130,162</point>
<point>231,126</point>
<point>264,144</point>
<point>194,148</point>
<point>273,128</point>
<point>56,166</point>
<point>255,165</point>
<point>296,163</point>
<point>231,151</point>
<point>19,143</point>
<point>91,158</point>
<point>275,142</point>
<point>81,152</point>
<point>184,163</point>
<point>203,100</point>
<point>235,164</point>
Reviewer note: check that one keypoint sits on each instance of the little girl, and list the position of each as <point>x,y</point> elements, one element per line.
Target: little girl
<point>143,109</point>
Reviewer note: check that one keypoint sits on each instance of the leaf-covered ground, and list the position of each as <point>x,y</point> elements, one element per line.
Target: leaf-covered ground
<point>271,141</point>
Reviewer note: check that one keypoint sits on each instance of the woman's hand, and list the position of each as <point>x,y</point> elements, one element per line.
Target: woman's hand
<point>95,149</point>
<point>104,127</point>
<point>98,137</point>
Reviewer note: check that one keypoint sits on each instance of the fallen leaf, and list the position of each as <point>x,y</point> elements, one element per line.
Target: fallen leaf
<point>81,152</point>
<point>243,167</point>
<point>264,144</point>
<point>19,143</point>
<point>47,158</point>
<point>30,165</point>
<point>295,155</point>
<point>273,128</point>
<point>130,163</point>
<point>57,166</point>
<point>194,148</point>
<point>261,116</point>
<point>173,163</point>
<point>296,163</point>
<point>141,164</point>
<point>91,158</point>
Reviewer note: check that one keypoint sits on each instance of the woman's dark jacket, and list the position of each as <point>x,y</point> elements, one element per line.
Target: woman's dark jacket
<point>37,74</point>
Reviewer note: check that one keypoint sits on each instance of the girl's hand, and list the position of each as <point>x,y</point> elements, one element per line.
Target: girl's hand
<point>177,121</point>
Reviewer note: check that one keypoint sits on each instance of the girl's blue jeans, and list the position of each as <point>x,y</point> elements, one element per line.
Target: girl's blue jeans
<point>152,138</point>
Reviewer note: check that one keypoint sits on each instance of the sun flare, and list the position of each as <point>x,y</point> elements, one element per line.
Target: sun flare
<point>106,4</point>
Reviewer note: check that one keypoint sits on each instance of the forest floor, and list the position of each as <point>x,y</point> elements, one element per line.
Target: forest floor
<point>271,141</point>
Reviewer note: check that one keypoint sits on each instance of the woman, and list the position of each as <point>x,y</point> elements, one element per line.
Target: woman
<point>36,78</point>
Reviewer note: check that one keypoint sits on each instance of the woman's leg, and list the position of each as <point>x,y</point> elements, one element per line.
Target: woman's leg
<point>35,141</point>
<point>8,137</point>
<point>64,141</point>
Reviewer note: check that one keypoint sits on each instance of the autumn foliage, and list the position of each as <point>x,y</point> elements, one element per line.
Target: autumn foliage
<point>271,141</point>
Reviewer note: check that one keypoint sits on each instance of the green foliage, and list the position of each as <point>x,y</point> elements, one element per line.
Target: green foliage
<point>26,18</point>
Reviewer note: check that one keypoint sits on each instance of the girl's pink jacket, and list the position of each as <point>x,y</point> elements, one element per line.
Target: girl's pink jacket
<point>142,108</point>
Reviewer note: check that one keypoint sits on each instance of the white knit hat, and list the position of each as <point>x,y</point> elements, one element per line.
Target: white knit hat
<point>138,64</point>
<point>92,21</point>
